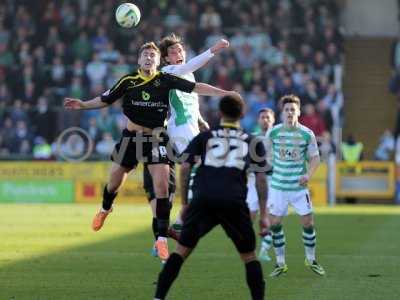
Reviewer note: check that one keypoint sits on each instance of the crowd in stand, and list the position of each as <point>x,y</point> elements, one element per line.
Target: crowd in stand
<point>53,49</point>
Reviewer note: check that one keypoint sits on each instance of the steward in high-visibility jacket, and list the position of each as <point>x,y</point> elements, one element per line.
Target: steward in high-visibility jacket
<point>352,150</point>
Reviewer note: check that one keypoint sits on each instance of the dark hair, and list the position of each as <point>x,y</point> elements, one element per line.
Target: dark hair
<point>167,42</point>
<point>289,99</point>
<point>149,45</point>
<point>267,110</point>
<point>232,107</point>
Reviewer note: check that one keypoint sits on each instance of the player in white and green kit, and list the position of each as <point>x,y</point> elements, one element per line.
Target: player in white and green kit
<point>184,117</point>
<point>293,152</point>
<point>265,120</point>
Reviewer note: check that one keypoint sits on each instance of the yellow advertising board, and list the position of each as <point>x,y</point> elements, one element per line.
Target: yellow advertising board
<point>92,192</point>
<point>89,189</point>
<point>87,179</point>
<point>318,186</point>
<point>53,170</point>
<point>367,179</point>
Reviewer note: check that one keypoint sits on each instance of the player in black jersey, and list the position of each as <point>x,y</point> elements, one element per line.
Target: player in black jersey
<point>224,155</point>
<point>145,101</point>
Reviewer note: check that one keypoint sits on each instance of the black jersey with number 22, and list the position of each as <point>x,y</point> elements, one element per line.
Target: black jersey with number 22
<point>225,153</point>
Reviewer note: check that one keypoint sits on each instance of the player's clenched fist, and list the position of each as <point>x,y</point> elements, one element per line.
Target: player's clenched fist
<point>264,224</point>
<point>221,44</point>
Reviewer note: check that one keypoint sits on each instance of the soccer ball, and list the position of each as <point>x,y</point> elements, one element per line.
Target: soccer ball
<point>127,15</point>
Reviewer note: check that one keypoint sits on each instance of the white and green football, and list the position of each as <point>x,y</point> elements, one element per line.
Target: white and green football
<point>127,15</point>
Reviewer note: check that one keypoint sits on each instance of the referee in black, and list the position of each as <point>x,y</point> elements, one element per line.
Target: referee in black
<point>145,103</point>
<point>224,155</point>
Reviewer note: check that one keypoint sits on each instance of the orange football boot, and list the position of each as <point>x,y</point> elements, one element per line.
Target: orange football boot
<point>99,219</point>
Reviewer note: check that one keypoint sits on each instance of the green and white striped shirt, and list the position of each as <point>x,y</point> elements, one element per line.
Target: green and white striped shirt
<point>288,150</point>
<point>184,107</point>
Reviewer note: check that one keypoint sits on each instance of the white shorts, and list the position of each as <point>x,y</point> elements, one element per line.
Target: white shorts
<point>252,197</point>
<point>180,136</point>
<point>278,202</point>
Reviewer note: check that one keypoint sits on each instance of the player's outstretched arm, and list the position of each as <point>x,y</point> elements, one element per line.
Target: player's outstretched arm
<point>205,89</point>
<point>198,61</point>
<point>77,104</point>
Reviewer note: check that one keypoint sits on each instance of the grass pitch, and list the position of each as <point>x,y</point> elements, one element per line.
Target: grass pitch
<point>50,252</point>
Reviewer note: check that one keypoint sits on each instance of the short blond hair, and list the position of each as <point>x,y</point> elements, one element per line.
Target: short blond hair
<point>149,45</point>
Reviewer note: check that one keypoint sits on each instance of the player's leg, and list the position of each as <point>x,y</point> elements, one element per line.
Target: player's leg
<point>236,222</point>
<point>265,246</point>
<point>310,242</point>
<point>279,244</point>
<point>151,197</point>
<point>252,203</point>
<point>172,182</point>
<point>179,137</point>
<point>118,175</point>
<point>148,187</point>
<point>154,226</point>
<point>254,275</point>
<point>197,223</point>
<point>184,205</point>
<point>175,229</point>
<point>156,158</point>
<point>252,197</point>
<point>171,270</point>
<point>266,239</point>
<point>160,174</point>
<point>278,208</point>
<point>303,206</point>
<point>124,160</point>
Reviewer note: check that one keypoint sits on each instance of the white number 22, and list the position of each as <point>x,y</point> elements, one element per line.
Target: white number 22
<point>226,153</point>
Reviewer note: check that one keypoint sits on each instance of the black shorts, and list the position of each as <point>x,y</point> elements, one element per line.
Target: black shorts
<point>234,217</point>
<point>148,182</point>
<point>137,147</point>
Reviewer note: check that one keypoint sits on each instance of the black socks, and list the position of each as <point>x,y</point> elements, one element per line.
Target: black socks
<point>154,226</point>
<point>255,280</point>
<point>168,275</point>
<point>108,198</point>
<point>162,211</point>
